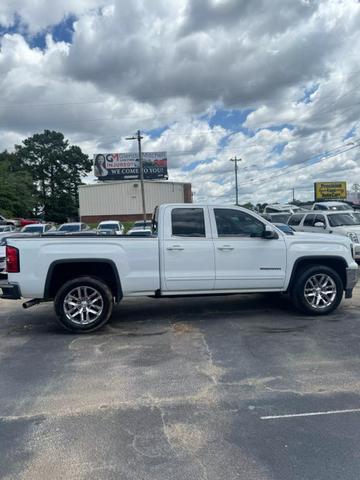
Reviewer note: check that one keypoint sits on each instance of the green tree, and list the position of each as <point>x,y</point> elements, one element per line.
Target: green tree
<point>248,205</point>
<point>17,198</point>
<point>57,169</point>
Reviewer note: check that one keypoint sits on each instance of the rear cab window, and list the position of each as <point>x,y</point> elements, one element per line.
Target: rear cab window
<point>188,222</point>
<point>183,222</point>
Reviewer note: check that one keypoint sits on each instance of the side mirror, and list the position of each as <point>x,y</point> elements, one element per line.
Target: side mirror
<point>319,224</point>
<point>270,233</point>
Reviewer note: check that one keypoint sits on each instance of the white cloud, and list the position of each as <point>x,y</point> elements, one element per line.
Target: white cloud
<point>173,64</point>
<point>40,14</point>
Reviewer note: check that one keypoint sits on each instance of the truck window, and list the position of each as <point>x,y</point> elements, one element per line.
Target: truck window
<point>231,223</point>
<point>188,222</point>
<point>320,218</point>
<point>295,219</point>
<point>309,220</point>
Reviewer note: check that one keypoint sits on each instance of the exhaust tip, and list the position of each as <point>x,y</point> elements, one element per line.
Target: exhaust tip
<point>31,303</point>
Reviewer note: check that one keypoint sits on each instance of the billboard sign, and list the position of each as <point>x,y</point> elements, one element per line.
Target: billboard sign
<point>126,166</point>
<point>330,191</point>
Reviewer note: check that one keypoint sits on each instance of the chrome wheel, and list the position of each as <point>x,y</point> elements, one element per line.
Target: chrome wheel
<point>320,291</point>
<point>83,305</point>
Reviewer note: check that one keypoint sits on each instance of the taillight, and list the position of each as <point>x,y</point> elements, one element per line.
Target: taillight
<point>12,260</point>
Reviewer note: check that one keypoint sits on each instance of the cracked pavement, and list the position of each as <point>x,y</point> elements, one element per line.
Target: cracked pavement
<point>175,389</point>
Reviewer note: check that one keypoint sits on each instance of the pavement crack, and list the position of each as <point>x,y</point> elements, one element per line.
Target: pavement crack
<point>212,371</point>
<point>166,430</point>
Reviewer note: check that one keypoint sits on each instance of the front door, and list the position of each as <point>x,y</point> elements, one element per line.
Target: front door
<point>244,259</point>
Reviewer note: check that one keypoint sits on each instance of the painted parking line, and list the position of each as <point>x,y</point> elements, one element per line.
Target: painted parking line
<point>311,414</point>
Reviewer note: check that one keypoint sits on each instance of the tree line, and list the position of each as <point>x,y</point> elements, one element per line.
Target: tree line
<point>41,177</point>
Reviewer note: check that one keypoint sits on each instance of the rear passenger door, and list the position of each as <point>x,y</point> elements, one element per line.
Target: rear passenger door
<point>187,251</point>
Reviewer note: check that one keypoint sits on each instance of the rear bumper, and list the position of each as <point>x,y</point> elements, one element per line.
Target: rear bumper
<point>10,291</point>
<point>352,275</point>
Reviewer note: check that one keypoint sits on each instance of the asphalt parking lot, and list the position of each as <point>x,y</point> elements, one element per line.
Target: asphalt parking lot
<point>236,387</point>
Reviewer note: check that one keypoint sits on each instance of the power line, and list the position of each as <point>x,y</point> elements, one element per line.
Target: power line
<point>302,166</point>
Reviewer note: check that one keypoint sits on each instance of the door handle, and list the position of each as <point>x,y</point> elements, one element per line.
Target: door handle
<point>225,248</point>
<point>175,247</point>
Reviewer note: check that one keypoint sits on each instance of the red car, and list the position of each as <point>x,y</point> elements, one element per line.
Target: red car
<point>22,222</point>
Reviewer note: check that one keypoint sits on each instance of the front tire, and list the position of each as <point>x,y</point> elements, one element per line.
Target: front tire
<point>83,304</point>
<point>318,290</point>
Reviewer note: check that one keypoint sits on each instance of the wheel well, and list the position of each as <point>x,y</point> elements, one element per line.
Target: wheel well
<point>336,263</point>
<point>61,272</point>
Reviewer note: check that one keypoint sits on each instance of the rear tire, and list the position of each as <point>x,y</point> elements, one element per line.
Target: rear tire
<point>83,304</point>
<point>318,290</point>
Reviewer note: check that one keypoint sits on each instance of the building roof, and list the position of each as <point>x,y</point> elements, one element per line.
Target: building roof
<point>115,182</point>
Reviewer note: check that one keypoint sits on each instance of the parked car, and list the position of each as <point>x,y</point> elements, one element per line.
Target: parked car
<point>342,206</point>
<point>278,208</point>
<point>73,227</point>
<point>38,228</point>
<point>140,232</point>
<point>22,222</point>
<point>140,225</point>
<point>203,249</point>
<point>8,221</point>
<point>113,225</point>
<point>7,229</point>
<point>345,223</point>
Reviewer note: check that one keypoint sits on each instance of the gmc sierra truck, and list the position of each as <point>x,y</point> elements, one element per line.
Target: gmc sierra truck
<point>194,250</point>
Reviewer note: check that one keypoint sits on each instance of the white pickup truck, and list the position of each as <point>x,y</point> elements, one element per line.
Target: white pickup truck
<point>195,250</point>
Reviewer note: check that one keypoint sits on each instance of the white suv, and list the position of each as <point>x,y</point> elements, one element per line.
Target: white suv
<point>337,206</point>
<point>337,222</point>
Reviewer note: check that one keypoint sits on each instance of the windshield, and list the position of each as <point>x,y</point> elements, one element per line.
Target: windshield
<point>340,207</point>
<point>4,229</point>
<point>69,228</point>
<point>109,226</point>
<point>340,219</point>
<point>33,229</point>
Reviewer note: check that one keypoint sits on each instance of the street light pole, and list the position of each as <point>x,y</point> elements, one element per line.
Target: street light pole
<point>138,137</point>
<point>236,160</point>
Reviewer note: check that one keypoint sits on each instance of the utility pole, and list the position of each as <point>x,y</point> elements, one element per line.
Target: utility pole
<point>138,137</point>
<point>293,192</point>
<point>236,160</point>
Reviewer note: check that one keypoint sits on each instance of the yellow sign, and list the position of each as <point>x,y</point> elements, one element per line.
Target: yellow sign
<point>330,191</point>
